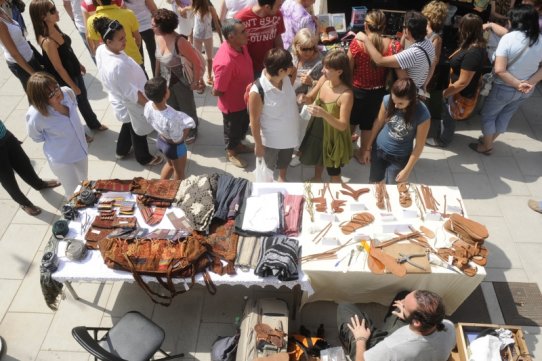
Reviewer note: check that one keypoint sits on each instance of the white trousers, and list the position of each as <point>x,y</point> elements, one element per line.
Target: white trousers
<point>70,174</point>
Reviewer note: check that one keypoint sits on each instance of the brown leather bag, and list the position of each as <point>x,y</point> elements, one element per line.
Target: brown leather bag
<point>460,107</point>
<point>161,259</point>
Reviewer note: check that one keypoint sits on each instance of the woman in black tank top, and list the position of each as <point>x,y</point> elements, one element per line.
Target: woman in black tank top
<point>59,58</point>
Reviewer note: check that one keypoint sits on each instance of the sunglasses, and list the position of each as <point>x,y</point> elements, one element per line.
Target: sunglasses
<point>112,27</point>
<point>54,91</point>
<point>307,49</point>
<point>52,10</point>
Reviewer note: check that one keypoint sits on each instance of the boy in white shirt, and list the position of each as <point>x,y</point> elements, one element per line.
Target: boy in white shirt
<point>172,127</point>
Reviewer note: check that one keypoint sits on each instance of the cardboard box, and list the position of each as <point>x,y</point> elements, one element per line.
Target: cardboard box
<point>463,330</point>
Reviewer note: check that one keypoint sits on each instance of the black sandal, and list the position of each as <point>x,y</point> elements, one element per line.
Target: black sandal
<point>31,210</point>
<point>50,184</point>
<point>474,146</point>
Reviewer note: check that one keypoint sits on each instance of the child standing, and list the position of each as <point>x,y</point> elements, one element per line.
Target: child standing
<point>204,17</point>
<point>172,127</point>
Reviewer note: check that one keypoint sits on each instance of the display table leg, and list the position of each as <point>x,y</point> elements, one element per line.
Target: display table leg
<point>72,291</point>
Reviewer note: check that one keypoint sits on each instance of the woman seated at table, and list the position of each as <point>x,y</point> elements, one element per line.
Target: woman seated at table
<point>402,118</point>
<point>53,120</point>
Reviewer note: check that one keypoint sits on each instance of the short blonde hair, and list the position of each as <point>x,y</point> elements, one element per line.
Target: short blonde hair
<point>304,39</point>
<point>436,13</point>
<point>39,87</point>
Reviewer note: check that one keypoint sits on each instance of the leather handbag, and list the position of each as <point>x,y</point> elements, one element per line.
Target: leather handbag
<point>161,259</point>
<point>461,107</point>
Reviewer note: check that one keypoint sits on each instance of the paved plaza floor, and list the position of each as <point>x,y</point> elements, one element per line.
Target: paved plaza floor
<point>495,191</point>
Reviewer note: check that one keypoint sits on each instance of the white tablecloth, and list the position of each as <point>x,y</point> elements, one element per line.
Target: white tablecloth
<point>93,269</point>
<point>356,284</point>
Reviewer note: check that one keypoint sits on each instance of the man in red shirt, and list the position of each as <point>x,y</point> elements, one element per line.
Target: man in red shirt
<point>264,25</point>
<point>232,67</point>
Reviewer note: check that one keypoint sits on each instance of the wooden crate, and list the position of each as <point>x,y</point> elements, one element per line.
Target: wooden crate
<point>521,352</point>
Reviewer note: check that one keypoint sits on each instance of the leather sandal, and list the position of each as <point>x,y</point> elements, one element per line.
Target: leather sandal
<point>31,210</point>
<point>458,260</point>
<point>468,229</point>
<point>358,221</point>
<point>404,197</point>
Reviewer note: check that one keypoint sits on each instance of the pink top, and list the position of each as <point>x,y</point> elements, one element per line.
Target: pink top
<point>233,73</point>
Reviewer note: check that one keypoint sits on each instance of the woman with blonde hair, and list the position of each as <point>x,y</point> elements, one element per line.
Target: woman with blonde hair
<point>52,119</point>
<point>369,80</point>
<point>327,139</point>
<point>436,13</point>
<point>60,60</point>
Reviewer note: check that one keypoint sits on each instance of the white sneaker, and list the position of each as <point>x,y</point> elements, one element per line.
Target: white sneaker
<point>295,161</point>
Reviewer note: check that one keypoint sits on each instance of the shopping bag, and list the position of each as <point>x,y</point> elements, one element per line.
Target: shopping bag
<point>261,172</point>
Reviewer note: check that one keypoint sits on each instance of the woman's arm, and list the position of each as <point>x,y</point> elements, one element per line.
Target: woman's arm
<point>216,21</point>
<point>377,126</point>
<point>51,48</point>
<point>311,95</point>
<point>421,135</point>
<point>465,77</point>
<point>345,103</point>
<point>496,28</point>
<point>350,61</point>
<point>379,59</point>
<point>501,63</point>
<point>10,46</point>
<point>222,9</point>
<point>255,106</point>
<point>188,52</point>
<point>151,6</point>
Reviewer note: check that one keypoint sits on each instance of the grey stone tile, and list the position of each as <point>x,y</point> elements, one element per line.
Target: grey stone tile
<point>504,176</point>
<point>529,254</point>
<point>516,212</point>
<point>206,160</point>
<point>126,297</point>
<point>505,275</point>
<point>62,356</point>
<point>9,289</point>
<point>18,247</point>
<point>478,196</point>
<point>24,333</point>
<point>503,251</point>
<point>223,307</point>
<point>87,311</point>
<point>9,208</point>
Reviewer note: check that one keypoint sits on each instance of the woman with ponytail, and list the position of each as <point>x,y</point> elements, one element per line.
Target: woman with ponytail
<point>369,80</point>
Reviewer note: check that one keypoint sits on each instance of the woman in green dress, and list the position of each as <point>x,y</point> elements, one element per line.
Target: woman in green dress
<point>327,141</point>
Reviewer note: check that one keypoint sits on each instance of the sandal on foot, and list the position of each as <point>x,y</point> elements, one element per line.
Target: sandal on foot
<point>102,127</point>
<point>31,210</point>
<point>474,146</point>
<point>50,184</point>
<point>156,160</point>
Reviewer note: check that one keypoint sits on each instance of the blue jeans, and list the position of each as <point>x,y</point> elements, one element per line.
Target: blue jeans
<point>444,128</point>
<point>385,167</point>
<point>499,107</point>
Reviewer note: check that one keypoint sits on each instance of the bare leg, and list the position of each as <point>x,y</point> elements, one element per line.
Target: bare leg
<point>336,179</point>
<point>167,170</point>
<point>365,136</point>
<point>282,175</point>
<point>179,165</point>
<point>318,170</point>
<point>208,43</point>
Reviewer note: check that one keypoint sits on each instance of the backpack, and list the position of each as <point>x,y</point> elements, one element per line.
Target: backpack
<point>260,90</point>
<point>188,67</point>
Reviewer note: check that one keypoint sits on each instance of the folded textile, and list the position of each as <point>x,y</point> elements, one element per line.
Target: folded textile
<point>139,185</point>
<point>93,235</point>
<point>103,222</point>
<point>163,189</point>
<point>293,214</point>
<point>152,217</point>
<point>223,241</point>
<point>125,222</point>
<point>112,185</point>
<point>229,196</point>
<point>195,198</point>
<point>279,257</point>
<point>262,215</point>
<point>248,252</point>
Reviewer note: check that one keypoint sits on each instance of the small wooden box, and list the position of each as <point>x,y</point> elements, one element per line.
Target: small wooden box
<point>520,353</point>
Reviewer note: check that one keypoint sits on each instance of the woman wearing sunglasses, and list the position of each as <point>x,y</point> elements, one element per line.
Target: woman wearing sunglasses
<point>52,119</point>
<point>17,51</point>
<point>59,58</point>
<point>124,80</point>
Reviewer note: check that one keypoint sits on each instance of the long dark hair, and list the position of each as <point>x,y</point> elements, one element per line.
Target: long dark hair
<point>525,19</point>
<point>337,59</point>
<point>407,89</point>
<point>202,7</point>
<point>471,32</point>
<point>38,10</point>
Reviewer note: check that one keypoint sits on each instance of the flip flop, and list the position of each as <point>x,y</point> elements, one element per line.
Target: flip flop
<point>50,184</point>
<point>31,210</point>
<point>535,205</point>
<point>474,146</point>
<point>102,127</point>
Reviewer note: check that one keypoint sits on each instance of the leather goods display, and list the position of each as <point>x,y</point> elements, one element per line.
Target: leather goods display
<point>112,185</point>
<point>358,220</point>
<point>159,258</point>
<point>404,197</point>
<point>466,229</point>
<point>419,264</point>
<point>271,312</point>
<point>223,243</point>
<point>93,235</point>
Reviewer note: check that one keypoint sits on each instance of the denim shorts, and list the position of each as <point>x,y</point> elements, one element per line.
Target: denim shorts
<point>171,151</point>
<point>385,166</point>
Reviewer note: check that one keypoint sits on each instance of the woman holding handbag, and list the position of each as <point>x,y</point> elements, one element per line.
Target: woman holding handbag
<point>517,71</point>
<point>60,59</point>
<point>466,65</point>
<point>170,46</point>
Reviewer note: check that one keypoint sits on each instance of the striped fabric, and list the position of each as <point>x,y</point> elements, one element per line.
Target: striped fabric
<point>279,257</point>
<point>414,61</point>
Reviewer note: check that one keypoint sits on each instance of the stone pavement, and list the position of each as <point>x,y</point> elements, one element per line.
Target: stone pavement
<point>495,190</point>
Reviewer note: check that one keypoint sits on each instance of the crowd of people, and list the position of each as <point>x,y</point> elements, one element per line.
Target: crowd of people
<point>304,104</point>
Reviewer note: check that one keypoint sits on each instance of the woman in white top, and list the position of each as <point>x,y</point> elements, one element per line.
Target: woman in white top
<point>124,80</point>
<point>17,50</point>
<point>514,83</point>
<point>275,120</point>
<point>53,119</point>
<point>143,10</point>
<point>228,8</point>
<point>204,17</point>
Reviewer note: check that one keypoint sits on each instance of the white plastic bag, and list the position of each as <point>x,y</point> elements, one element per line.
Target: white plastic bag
<point>261,172</point>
